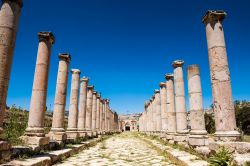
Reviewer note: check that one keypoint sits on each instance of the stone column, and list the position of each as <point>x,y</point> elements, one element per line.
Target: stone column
<point>98,113</point>
<point>82,107</point>
<point>101,115</point>
<point>105,114</point>
<point>180,102</point>
<point>163,93</point>
<point>57,131</point>
<point>158,110</point>
<point>151,115</point>
<point>72,133</point>
<point>94,106</point>
<point>198,133</point>
<point>225,122</point>
<point>171,115</point>
<point>88,124</point>
<point>34,133</point>
<point>9,17</point>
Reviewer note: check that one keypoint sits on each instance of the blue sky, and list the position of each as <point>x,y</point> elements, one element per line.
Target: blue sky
<point>126,46</point>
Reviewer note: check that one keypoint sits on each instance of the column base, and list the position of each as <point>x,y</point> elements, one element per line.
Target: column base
<point>72,135</point>
<point>227,136</point>
<point>170,136</point>
<point>198,140</point>
<point>57,136</point>
<point>82,133</point>
<point>5,152</point>
<point>180,138</point>
<point>34,140</point>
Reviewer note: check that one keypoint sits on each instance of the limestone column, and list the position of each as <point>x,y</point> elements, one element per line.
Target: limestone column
<point>151,115</point>
<point>88,124</point>
<point>101,115</point>
<point>180,101</point>
<point>154,114</point>
<point>73,108</point>
<point>98,112</point>
<point>225,122</point>
<point>9,17</point>
<point>158,110</point>
<point>198,133</point>
<point>105,114</point>
<point>163,93</point>
<point>82,107</point>
<point>34,133</point>
<point>94,106</point>
<point>57,131</point>
<point>171,115</point>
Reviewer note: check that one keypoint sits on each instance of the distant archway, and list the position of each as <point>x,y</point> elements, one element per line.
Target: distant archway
<point>127,128</point>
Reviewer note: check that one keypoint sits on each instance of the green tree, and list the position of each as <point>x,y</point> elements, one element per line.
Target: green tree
<point>209,123</point>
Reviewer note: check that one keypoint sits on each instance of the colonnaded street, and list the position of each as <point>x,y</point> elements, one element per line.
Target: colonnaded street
<point>126,149</point>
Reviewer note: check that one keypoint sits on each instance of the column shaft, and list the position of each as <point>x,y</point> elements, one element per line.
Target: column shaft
<point>180,101</point>
<point>61,92</point>
<point>225,122</point>
<point>163,94</point>
<point>171,115</point>
<point>158,110</point>
<point>40,84</point>
<point>88,124</point>
<point>9,17</point>
<point>73,108</point>
<point>82,106</point>
<point>94,106</point>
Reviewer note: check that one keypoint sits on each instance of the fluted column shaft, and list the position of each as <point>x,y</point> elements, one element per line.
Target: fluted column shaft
<point>225,122</point>
<point>9,17</point>
<point>40,86</point>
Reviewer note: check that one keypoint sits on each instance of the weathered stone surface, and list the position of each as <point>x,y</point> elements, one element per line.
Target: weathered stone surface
<point>225,122</point>
<point>9,18</point>
<point>236,147</point>
<point>35,140</point>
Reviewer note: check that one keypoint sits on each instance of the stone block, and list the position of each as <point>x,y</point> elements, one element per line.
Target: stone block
<point>242,159</point>
<point>72,135</point>
<point>82,134</point>
<point>33,140</point>
<point>180,138</point>
<point>57,136</point>
<point>236,147</point>
<point>198,140</point>
<point>4,145</point>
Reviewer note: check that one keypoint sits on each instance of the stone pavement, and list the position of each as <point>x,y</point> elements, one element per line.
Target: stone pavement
<point>121,150</point>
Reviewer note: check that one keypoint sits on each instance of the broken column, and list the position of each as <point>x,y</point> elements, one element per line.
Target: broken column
<point>94,106</point>
<point>180,102</point>
<point>163,94</point>
<point>198,133</point>
<point>225,122</point>
<point>82,107</point>
<point>34,133</point>
<point>171,115</point>
<point>88,121</point>
<point>72,132</point>
<point>57,132</point>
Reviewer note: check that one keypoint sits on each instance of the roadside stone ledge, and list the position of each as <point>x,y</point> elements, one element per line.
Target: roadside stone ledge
<point>52,157</point>
<point>242,159</point>
<point>180,157</point>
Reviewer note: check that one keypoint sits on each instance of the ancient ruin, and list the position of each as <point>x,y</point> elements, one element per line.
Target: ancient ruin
<point>155,133</point>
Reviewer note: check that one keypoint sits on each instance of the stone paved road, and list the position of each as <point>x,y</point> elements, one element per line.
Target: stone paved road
<point>120,150</point>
